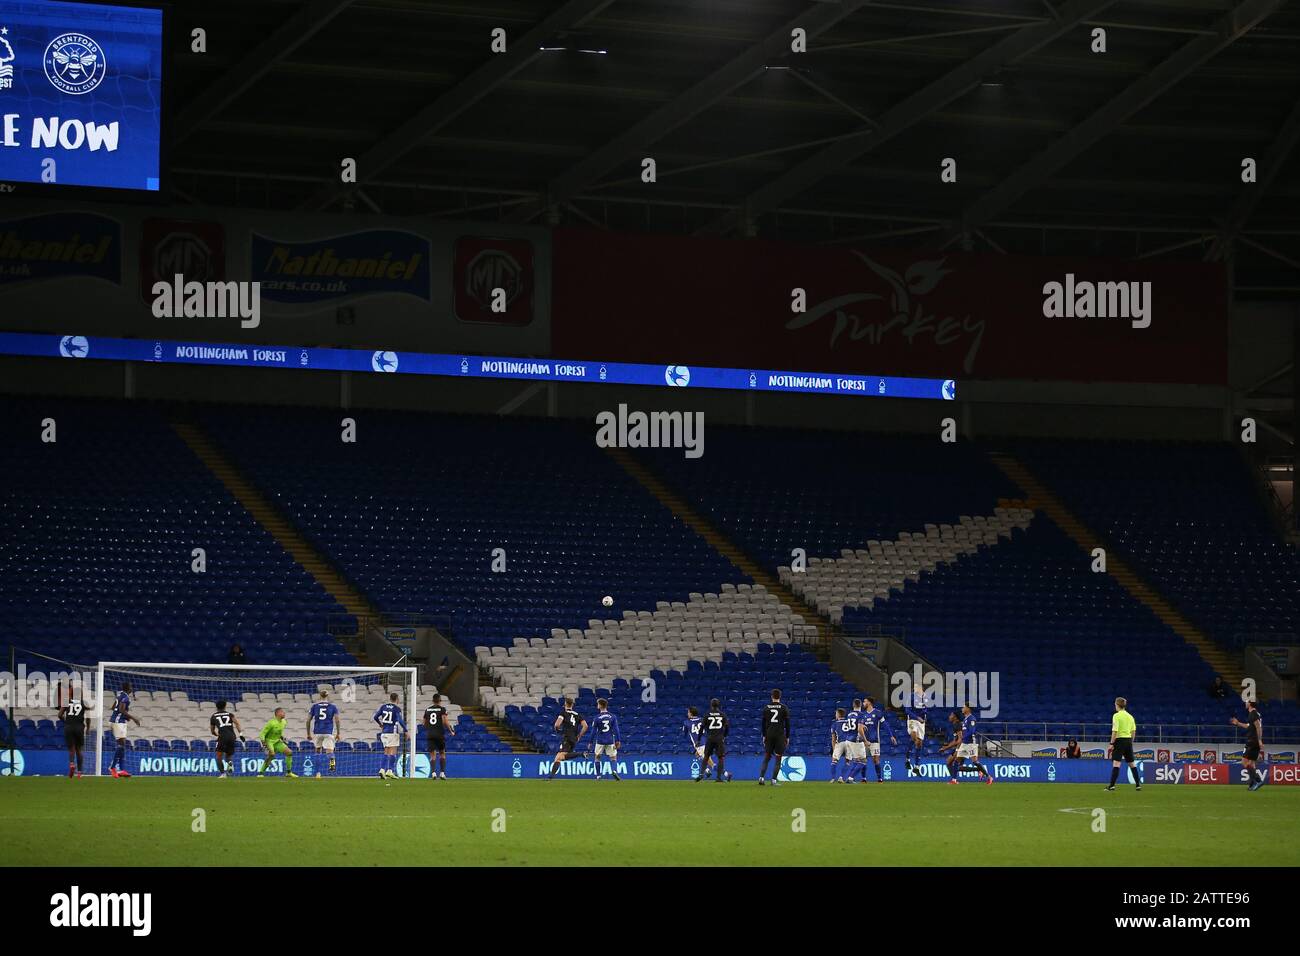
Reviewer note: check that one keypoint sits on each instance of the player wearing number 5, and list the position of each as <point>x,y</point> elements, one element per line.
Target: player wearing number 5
<point>389,718</point>
<point>324,726</point>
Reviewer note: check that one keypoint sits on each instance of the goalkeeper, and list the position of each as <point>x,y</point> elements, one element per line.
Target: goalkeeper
<point>272,737</point>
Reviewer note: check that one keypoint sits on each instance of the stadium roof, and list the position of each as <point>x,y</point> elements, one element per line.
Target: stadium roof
<point>1136,151</point>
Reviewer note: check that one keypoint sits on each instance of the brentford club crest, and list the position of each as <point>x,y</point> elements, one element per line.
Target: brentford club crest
<point>74,63</point>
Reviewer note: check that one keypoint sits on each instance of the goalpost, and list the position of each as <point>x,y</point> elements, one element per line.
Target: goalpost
<point>174,703</point>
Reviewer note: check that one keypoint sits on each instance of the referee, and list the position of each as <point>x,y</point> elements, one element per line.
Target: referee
<point>1122,729</point>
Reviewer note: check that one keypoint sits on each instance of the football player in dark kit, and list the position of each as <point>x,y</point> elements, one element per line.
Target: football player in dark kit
<point>716,728</point>
<point>571,727</point>
<point>224,725</point>
<point>436,729</point>
<point>1254,724</point>
<point>776,736</point>
<point>73,715</point>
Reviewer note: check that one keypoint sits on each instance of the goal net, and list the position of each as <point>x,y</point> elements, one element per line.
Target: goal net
<point>174,705</point>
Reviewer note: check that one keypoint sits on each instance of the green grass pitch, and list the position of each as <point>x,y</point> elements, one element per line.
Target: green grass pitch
<point>150,822</point>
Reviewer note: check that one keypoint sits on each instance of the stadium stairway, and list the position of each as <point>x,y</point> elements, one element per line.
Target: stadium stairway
<point>255,503</point>
<point>716,540</point>
<point>486,720</point>
<point>1047,502</point>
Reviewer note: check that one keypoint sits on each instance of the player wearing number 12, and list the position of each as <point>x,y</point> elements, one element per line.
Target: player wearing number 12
<point>272,737</point>
<point>225,727</point>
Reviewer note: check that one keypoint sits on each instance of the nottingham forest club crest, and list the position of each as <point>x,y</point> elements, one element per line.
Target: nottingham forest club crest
<point>6,61</point>
<point>74,63</point>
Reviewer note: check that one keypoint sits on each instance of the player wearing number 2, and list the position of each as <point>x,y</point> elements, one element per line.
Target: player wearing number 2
<point>776,736</point>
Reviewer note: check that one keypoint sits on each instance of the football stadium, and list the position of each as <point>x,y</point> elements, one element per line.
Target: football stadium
<point>650,433</point>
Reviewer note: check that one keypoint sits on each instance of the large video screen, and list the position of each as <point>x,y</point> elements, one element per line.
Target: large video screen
<point>80,95</point>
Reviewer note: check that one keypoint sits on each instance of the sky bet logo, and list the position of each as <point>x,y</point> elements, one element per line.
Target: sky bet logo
<point>76,909</point>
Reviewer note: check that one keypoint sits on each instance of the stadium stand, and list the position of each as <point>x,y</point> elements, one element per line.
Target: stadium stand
<point>929,543</point>
<point>1191,519</point>
<point>96,534</point>
<point>774,489</point>
<point>413,512</point>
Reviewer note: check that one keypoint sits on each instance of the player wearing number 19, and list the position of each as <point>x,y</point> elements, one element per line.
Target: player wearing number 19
<point>73,715</point>
<point>272,737</point>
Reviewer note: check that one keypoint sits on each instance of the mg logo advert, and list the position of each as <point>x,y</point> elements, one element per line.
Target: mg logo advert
<point>493,280</point>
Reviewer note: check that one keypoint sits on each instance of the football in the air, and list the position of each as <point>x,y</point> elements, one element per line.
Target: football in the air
<point>607,601</point>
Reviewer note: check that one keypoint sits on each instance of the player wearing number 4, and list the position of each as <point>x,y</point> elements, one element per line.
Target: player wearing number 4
<point>389,718</point>
<point>272,737</point>
<point>324,727</point>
